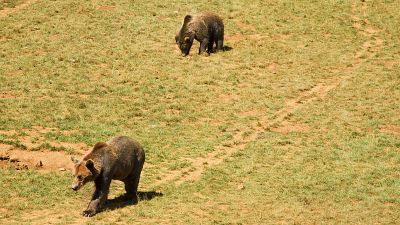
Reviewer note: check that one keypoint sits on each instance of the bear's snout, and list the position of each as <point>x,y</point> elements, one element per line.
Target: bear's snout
<point>75,187</point>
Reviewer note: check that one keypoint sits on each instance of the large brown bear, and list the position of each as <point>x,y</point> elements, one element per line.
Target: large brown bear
<point>206,28</point>
<point>121,158</point>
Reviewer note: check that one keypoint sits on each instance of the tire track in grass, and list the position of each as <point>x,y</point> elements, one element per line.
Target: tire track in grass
<point>7,11</point>
<point>240,140</point>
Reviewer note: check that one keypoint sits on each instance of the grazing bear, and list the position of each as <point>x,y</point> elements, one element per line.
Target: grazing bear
<point>206,28</point>
<point>121,158</point>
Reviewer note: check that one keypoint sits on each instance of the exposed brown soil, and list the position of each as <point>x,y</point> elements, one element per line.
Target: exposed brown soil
<point>391,63</point>
<point>234,37</point>
<point>7,11</point>
<point>240,37</point>
<point>15,73</point>
<point>227,98</point>
<point>252,113</point>
<point>34,151</point>
<point>105,7</point>
<point>31,137</point>
<point>41,160</point>
<point>37,130</point>
<point>244,26</point>
<point>8,95</point>
<point>288,127</point>
<point>391,129</point>
<point>49,215</point>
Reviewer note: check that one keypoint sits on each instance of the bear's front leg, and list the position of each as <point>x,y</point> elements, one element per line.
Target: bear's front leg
<point>99,197</point>
<point>203,46</point>
<point>92,208</point>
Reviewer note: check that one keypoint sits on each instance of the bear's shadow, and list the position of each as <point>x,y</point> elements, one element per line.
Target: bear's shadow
<point>227,48</point>
<point>121,201</point>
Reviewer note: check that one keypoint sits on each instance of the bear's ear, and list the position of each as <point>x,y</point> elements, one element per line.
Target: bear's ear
<point>90,165</point>
<point>187,19</point>
<point>74,160</point>
<point>99,145</point>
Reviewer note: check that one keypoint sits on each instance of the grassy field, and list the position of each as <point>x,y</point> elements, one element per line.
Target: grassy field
<point>10,3</point>
<point>298,123</point>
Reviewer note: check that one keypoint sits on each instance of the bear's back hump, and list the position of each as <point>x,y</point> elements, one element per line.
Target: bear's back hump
<point>124,147</point>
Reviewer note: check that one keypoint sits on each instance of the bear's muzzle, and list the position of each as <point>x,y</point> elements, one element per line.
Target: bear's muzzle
<point>75,187</point>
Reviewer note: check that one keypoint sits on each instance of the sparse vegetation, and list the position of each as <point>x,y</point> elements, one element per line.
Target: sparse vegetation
<point>9,3</point>
<point>298,123</point>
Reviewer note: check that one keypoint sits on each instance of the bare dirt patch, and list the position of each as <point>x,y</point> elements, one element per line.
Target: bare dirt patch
<point>106,7</point>
<point>227,98</point>
<point>288,127</point>
<point>29,149</point>
<point>41,160</point>
<point>252,113</point>
<point>18,72</point>
<point>35,139</point>
<point>7,11</point>
<point>245,26</point>
<point>234,37</point>
<point>9,95</point>
<point>391,63</point>
<point>5,147</point>
<point>272,67</point>
<point>256,37</point>
<point>51,216</point>
<point>38,130</point>
<point>391,129</point>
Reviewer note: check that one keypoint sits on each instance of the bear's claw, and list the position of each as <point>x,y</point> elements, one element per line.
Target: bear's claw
<point>88,213</point>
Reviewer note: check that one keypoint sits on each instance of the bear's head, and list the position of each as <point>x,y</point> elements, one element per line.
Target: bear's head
<point>184,38</point>
<point>185,44</point>
<point>84,171</point>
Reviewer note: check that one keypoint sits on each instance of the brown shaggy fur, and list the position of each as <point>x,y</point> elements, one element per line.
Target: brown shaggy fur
<point>207,28</point>
<point>121,158</point>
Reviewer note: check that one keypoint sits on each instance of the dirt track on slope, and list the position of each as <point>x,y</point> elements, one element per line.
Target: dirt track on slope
<point>240,140</point>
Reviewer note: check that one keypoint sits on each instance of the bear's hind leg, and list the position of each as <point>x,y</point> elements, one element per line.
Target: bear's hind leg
<point>210,45</point>
<point>219,37</point>
<point>220,45</point>
<point>132,183</point>
<point>131,190</point>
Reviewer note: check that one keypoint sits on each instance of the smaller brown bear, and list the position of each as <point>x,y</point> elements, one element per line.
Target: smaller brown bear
<point>121,158</point>
<point>206,28</point>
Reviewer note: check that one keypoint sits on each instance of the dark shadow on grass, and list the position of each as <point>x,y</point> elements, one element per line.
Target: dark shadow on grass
<point>122,201</point>
<point>148,195</point>
<point>227,48</point>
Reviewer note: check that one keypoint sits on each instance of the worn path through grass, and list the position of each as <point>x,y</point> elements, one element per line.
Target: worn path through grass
<point>240,139</point>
